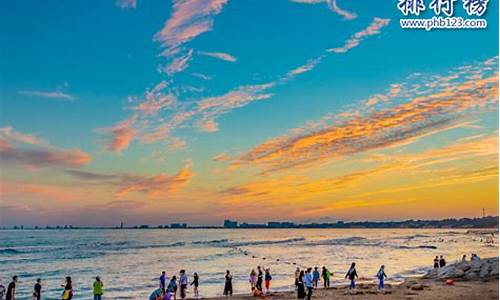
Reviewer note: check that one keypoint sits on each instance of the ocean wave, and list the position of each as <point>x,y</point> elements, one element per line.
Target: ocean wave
<point>9,251</point>
<point>349,241</point>
<point>211,242</point>
<point>265,242</point>
<point>417,247</point>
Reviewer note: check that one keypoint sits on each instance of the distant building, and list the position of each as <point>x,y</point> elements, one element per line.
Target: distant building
<point>178,225</point>
<point>247,225</point>
<point>230,224</point>
<point>280,224</point>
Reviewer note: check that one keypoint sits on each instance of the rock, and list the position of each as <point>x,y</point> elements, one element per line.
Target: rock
<point>484,269</point>
<point>417,287</point>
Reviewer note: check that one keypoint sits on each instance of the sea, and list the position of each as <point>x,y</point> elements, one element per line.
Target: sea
<point>130,261</point>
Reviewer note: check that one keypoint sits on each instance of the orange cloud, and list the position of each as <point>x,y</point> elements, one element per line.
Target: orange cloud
<point>388,127</point>
<point>157,186</point>
<point>122,135</point>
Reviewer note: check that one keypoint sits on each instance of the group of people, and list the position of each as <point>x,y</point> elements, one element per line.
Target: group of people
<point>67,294</point>
<point>256,279</point>
<point>439,262</point>
<point>169,291</point>
<point>473,257</point>
<point>307,280</point>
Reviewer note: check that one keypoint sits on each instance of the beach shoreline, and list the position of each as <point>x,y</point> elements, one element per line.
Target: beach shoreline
<point>462,280</point>
<point>411,288</point>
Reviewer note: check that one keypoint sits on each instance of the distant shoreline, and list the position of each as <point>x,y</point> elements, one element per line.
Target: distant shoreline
<point>489,222</point>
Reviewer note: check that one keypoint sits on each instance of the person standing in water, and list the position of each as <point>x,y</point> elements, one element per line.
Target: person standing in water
<point>228,284</point>
<point>267,280</point>
<point>163,281</point>
<point>381,275</point>
<point>97,287</point>
<point>11,289</point>
<point>352,274</point>
<point>315,277</point>
<point>183,282</point>
<point>195,284</point>
<point>308,281</point>
<point>301,291</point>
<point>259,278</point>
<point>253,280</point>
<point>68,289</point>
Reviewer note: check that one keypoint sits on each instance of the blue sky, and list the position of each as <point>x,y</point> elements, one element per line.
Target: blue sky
<point>74,74</point>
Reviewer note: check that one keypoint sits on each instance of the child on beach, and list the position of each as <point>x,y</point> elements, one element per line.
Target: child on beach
<point>183,282</point>
<point>315,277</point>
<point>267,280</point>
<point>352,274</point>
<point>436,262</point>
<point>380,275</point>
<point>253,280</point>
<point>97,287</point>
<point>195,283</point>
<point>228,284</point>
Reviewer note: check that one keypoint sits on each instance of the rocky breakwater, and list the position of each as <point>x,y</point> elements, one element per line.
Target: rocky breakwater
<point>483,269</point>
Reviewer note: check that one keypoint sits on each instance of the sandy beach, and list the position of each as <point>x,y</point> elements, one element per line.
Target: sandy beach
<point>417,288</point>
<point>463,280</point>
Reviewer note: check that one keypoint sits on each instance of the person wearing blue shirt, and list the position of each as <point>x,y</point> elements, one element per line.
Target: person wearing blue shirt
<point>308,281</point>
<point>163,280</point>
<point>315,277</point>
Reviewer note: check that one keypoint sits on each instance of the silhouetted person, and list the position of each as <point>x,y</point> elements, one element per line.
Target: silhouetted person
<point>442,262</point>
<point>259,278</point>
<point>352,274</point>
<point>11,289</point>
<point>195,283</point>
<point>228,284</point>
<point>436,262</point>
<point>381,275</point>
<point>301,291</point>
<point>37,290</point>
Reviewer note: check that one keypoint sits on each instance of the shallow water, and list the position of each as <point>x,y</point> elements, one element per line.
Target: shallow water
<point>130,261</point>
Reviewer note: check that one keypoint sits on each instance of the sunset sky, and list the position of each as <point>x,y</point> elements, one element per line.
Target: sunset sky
<point>153,112</point>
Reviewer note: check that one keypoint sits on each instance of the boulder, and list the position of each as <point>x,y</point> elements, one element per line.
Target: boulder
<point>484,269</point>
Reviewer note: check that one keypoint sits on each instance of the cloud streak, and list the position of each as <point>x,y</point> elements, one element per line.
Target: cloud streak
<point>26,150</point>
<point>373,29</point>
<point>219,55</point>
<point>156,186</point>
<point>56,95</point>
<point>392,126</point>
